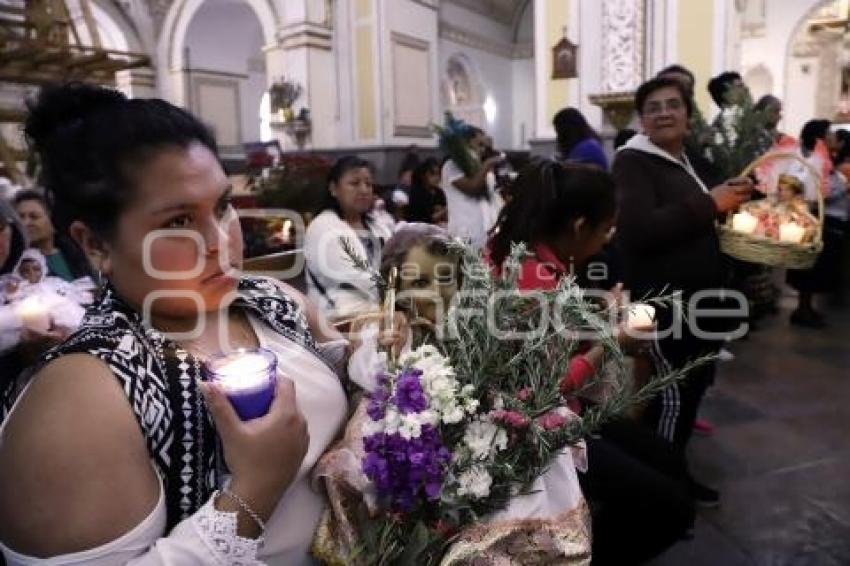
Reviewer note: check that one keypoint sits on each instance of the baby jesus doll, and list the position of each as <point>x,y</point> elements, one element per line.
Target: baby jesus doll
<point>30,283</point>
<point>788,206</point>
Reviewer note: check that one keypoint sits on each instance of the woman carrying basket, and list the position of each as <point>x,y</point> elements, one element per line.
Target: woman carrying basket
<point>667,234</point>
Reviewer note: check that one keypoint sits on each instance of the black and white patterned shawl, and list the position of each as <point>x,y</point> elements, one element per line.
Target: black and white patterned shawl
<point>160,381</point>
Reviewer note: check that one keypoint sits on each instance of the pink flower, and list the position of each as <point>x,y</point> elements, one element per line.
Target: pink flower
<point>551,420</point>
<point>512,418</point>
<point>524,394</point>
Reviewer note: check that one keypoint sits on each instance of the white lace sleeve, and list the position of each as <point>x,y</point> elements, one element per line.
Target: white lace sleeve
<point>219,544</point>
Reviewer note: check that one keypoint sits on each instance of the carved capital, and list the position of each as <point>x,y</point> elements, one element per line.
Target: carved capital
<point>618,107</point>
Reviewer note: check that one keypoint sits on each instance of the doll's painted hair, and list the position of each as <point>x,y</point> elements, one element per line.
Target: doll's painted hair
<point>793,181</point>
<point>433,239</point>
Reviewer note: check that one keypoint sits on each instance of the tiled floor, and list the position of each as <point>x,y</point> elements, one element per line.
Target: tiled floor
<point>780,454</point>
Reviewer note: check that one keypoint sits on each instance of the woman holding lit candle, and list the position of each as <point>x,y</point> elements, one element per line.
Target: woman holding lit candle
<point>667,235</point>
<point>565,216</point>
<point>138,184</point>
<point>20,343</point>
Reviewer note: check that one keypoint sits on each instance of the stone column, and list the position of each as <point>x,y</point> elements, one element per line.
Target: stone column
<point>137,83</point>
<point>304,53</point>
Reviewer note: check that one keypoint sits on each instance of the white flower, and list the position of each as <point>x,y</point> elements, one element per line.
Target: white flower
<point>483,438</point>
<point>410,426</point>
<point>371,427</point>
<point>453,415</point>
<point>392,420</point>
<point>475,482</point>
<point>429,417</point>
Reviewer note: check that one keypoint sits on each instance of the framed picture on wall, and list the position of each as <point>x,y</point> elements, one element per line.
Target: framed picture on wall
<point>565,59</point>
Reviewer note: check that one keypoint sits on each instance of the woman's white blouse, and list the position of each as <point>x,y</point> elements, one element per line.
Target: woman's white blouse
<point>209,536</point>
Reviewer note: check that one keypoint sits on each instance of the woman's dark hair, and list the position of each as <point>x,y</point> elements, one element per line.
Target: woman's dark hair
<point>421,171</point>
<point>623,136</point>
<point>550,196</point>
<point>844,151</point>
<point>650,86</point>
<point>420,207</point>
<point>18,243</point>
<point>767,100</point>
<point>571,128</point>
<point>720,85</point>
<point>812,131</point>
<point>91,141</point>
<point>342,166</point>
<point>675,68</point>
<point>409,162</point>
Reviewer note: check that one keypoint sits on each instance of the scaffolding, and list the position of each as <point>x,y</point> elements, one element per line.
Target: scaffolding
<point>41,43</point>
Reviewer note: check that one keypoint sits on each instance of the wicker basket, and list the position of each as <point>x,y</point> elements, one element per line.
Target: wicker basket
<point>768,251</point>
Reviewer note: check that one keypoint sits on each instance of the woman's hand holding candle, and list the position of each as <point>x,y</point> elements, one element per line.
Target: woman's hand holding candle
<point>263,454</point>
<point>641,317</point>
<point>34,315</point>
<point>632,334</point>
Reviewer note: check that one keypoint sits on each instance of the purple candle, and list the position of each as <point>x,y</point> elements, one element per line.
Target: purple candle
<point>248,378</point>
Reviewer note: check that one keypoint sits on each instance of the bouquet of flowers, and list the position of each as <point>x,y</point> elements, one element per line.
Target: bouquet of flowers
<point>460,427</point>
<point>283,93</point>
<point>452,138</point>
<point>740,135</point>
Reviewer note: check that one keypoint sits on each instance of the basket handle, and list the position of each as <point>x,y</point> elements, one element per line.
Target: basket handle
<point>770,156</point>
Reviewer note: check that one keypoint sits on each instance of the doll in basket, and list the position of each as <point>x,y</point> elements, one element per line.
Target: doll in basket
<point>789,205</point>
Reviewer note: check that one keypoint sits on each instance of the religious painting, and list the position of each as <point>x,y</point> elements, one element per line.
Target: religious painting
<point>565,60</point>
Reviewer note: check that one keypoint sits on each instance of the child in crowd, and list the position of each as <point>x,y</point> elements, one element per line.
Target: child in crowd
<point>30,283</point>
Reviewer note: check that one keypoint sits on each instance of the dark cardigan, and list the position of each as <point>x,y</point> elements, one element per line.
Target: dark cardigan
<point>665,229</point>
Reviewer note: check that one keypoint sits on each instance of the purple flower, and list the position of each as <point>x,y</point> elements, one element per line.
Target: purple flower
<point>406,472</point>
<point>377,403</point>
<point>409,396</point>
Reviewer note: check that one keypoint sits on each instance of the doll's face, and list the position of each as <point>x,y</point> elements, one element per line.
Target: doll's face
<point>30,270</point>
<point>429,281</point>
<point>787,190</point>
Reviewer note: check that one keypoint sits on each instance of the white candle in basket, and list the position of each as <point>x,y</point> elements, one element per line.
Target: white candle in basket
<point>33,314</point>
<point>641,316</point>
<point>744,222</point>
<point>791,232</point>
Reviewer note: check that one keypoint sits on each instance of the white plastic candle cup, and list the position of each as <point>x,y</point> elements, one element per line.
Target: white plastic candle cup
<point>791,232</point>
<point>744,222</point>
<point>33,315</point>
<point>248,378</point>
<point>641,317</point>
